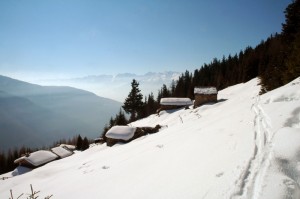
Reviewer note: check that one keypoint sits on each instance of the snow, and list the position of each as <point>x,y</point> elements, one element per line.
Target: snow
<point>20,170</point>
<point>38,158</point>
<point>17,171</point>
<point>121,132</point>
<point>205,90</point>
<point>244,146</point>
<point>68,146</point>
<point>61,152</point>
<point>176,101</point>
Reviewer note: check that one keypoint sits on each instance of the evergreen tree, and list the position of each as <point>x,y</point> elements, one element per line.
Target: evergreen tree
<point>79,143</point>
<point>85,144</point>
<point>152,105</point>
<point>293,62</point>
<point>173,87</point>
<point>2,163</point>
<point>179,90</point>
<point>291,27</point>
<point>120,118</point>
<point>134,102</point>
<point>291,34</point>
<point>164,91</point>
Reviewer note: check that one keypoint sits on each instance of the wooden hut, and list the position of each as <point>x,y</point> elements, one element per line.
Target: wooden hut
<point>68,146</point>
<point>119,134</point>
<point>174,103</point>
<point>36,159</point>
<point>205,95</point>
<point>61,152</point>
<point>125,134</point>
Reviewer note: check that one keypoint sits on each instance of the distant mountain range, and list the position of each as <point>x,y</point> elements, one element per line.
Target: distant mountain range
<point>116,87</point>
<point>35,116</point>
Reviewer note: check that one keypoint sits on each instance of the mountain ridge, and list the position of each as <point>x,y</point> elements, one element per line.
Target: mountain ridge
<point>49,113</point>
<point>107,85</point>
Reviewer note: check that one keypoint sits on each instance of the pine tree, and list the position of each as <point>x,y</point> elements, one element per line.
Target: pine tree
<point>165,92</point>
<point>134,102</point>
<point>3,161</point>
<point>291,27</point>
<point>152,105</point>
<point>173,87</point>
<point>85,144</point>
<point>291,34</point>
<point>293,62</point>
<point>79,143</point>
<point>120,118</point>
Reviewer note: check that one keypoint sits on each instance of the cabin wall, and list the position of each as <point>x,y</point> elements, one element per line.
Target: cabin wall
<point>202,99</point>
<point>140,131</point>
<point>170,107</point>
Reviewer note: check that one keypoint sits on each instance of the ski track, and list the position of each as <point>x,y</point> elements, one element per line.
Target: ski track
<point>251,180</point>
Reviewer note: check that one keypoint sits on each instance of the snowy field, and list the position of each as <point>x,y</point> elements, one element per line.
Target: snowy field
<point>244,146</point>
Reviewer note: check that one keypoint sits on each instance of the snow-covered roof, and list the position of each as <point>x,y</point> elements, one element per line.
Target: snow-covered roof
<point>61,151</point>
<point>121,132</point>
<point>176,101</point>
<point>38,158</point>
<point>71,147</point>
<point>205,90</point>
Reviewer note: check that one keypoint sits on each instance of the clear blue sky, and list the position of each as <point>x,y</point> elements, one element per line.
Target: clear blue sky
<point>81,37</point>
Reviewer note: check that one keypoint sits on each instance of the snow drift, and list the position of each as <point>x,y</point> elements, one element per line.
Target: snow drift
<point>244,146</point>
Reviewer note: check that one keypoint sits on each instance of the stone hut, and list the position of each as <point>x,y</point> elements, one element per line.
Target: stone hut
<point>174,103</point>
<point>126,134</point>
<point>205,95</point>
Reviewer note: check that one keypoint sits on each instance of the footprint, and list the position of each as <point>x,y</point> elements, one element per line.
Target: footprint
<point>105,167</point>
<point>88,171</point>
<point>289,183</point>
<point>220,174</point>
<point>84,166</point>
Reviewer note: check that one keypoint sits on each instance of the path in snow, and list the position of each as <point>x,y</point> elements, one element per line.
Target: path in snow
<point>250,181</point>
<point>273,171</point>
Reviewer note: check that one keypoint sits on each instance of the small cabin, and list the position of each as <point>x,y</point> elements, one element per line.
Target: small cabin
<point>205,95</point>
<point>61,152</point>
<point>119,134</point>
<point>174,103</point>
<point>36,159</point>
<point>68,147</point>
<point>125,134</point>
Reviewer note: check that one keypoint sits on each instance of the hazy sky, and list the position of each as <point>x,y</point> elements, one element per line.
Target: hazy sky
<point>41,38</point>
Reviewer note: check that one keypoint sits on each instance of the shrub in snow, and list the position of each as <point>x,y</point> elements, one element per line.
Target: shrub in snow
<point>32,195</point>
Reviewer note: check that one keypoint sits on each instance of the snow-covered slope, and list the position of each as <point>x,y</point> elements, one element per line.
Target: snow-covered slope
<point>244,146</point>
